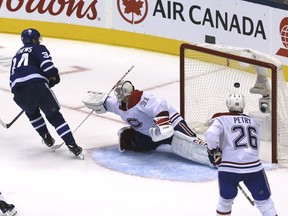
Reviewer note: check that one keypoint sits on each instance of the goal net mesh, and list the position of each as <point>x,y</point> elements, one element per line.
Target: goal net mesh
<point>207,76</point>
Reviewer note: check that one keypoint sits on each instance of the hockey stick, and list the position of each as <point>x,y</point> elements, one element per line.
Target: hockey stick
<point>54,147</point>
<point>8,125</point>
<point>119,82</point>
<point>246,195</point>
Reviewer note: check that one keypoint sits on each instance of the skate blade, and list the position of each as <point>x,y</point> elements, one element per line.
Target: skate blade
<point>11,212</point>
<point>81,156</point>
<point>55,147</point>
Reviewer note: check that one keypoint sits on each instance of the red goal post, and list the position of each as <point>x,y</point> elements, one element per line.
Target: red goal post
<point>207,76</point>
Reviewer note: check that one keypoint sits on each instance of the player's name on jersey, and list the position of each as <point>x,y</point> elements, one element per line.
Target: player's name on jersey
<point>242,119</point>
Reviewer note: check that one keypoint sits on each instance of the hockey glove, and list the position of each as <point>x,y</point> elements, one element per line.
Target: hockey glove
<point>95,100</point>
<point>54,80</point>
<point>162,129</point>
<point>215,156</point>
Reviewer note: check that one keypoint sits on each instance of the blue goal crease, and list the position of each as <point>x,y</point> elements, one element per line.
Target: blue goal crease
<point>159,164</point>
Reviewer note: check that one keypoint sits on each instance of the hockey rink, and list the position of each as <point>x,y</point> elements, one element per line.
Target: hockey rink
<point>40,182</point>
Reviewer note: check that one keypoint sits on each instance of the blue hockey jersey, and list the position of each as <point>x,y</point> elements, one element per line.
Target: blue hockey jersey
<point>32,63</point>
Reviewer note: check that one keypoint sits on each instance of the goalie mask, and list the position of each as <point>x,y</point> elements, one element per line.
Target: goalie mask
<point>123,89</point>
<point>235,102</point>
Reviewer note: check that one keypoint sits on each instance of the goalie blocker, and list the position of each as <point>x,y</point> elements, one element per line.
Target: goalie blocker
<point>162,129</point>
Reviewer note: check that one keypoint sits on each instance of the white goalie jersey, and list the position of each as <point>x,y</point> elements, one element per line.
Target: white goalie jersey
<point>141,110</point>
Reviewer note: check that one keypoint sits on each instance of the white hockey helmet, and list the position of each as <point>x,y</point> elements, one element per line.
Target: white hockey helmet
<point>123,89</point>
<point>235,102</point>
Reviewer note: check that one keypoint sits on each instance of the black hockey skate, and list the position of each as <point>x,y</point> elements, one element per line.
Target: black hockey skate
<point>76,150</point>
<point>7,209</point>
<point>48,140</point>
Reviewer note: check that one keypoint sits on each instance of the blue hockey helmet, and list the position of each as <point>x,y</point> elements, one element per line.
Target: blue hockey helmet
<point>31,35</point>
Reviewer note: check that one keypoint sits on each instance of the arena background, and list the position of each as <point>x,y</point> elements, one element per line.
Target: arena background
<point>156,25</point>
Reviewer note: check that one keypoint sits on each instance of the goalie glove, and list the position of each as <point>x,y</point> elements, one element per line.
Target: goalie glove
<point>95,100</point>
<point>162,129</point>
<point>215,156</point>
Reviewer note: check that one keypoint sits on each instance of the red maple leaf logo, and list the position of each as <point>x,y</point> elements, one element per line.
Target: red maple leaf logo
<point>133,6</point>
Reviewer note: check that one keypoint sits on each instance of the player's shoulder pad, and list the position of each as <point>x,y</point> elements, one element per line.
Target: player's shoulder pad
<point>40,48</point>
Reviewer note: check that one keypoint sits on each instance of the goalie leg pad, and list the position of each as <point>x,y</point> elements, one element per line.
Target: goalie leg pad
<point>126,135</point>
<point>191,148</point>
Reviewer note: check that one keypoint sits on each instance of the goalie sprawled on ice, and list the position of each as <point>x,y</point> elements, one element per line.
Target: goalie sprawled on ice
<point>152,121</point>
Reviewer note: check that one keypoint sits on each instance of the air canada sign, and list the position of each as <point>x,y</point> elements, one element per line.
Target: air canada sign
<point>197,15</point>
<point>137,11</point>
<point>210,18</point>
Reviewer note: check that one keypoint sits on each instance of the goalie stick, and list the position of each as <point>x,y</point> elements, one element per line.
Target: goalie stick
<point>54,147</point>
<point>246,195</point>
<point>8,125</point>
<point>119,81</point>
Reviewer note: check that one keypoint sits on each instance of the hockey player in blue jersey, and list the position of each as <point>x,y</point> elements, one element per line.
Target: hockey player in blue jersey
<point>32,75</point>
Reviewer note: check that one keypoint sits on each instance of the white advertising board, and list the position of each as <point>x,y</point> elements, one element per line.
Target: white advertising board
<point>86,13</point>
<point>230,22</point>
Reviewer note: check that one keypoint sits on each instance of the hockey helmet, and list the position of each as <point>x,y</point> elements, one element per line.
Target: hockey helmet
<point>123,89</point>
<point>31,35</point>
<point>235,102</point>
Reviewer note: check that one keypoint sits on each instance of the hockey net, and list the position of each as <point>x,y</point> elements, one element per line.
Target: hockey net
<point>207,76</point>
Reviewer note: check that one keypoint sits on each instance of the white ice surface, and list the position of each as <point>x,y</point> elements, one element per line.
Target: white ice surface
<point>42,183</point>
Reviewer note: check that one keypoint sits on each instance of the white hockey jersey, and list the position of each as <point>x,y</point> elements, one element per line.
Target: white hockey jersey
<point>238,138</point>
<point>141,110</point>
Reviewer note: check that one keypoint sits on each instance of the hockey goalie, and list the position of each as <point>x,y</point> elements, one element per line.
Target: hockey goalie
<point>152,122</point>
